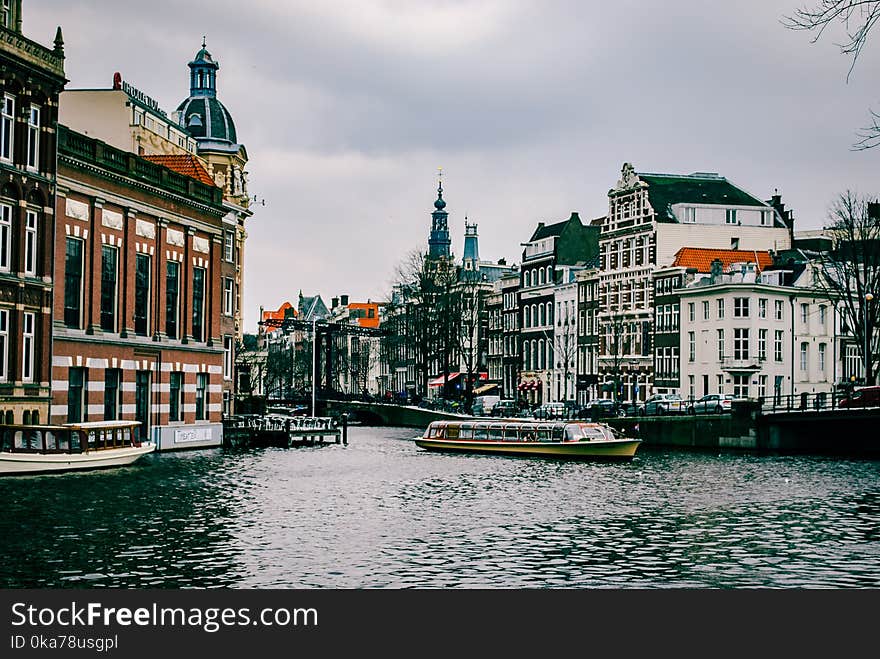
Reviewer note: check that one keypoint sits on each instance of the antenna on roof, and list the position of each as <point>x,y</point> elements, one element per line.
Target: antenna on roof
<point>203,41</point>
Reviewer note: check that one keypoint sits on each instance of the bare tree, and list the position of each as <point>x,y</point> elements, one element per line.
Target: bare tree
<point>850,273</point>
<point>858,18</point>
<point>566,342</point>
<point>468,308</point>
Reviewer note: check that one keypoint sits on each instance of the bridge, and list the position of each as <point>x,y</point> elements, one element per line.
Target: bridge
<point>386,414</point>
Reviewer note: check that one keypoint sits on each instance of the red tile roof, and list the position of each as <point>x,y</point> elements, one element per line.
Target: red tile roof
<point>701,258</point>
<point>186,164</point>
<point>280,314</point>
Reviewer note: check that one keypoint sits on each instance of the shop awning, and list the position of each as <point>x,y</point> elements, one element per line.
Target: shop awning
<point>438,381</point>
<point>485,388</point>
<point>531,385</point>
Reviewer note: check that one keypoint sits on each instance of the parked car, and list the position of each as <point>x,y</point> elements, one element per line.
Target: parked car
<point>711,403</point>
<point>605,407</point>
<point>550,411</point>
<point>864,397</point>
<point>662,404</point>
<point>506,408</point>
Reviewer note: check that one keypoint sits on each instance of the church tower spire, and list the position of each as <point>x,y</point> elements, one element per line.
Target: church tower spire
<point>439,242</point>
<point>203,73</point>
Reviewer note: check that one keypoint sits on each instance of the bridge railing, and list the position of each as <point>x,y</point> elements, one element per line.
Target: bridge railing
<point>812,402</point>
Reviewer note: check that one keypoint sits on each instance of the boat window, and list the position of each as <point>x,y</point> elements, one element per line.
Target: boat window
<point>51,442</point>
<point>63,440</point>
<point>543,434</point>
<point>452,432</point>
<point>481,432</point>
<point>6,440</point>
<point>511,433</point>
<point>573,433</point>
<point>495,432</point>
<point>435,431</point>
<point>527,433</point>
<point>593,432</point>
<point>466,432</point>
<point>76,441</point>
<point>557,432</point>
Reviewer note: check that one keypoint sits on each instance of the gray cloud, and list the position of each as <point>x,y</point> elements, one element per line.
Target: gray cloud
<point>348,108</point>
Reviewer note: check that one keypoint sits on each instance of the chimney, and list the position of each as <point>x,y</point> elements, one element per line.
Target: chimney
<point>343,300</point>
<point>716,270</point>
<point>334,302</point>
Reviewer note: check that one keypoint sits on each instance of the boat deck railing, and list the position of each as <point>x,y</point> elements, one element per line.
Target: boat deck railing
<point>68,438</point>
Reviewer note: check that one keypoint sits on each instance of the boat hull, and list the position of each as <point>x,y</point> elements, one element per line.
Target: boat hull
<point>618,449</point>
<point>40,463</point>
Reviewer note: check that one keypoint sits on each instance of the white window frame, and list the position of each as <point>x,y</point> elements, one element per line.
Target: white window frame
<point>227,358</point>
<point>33,133</point>
<point>7,127</point>
<point>228,295</point>
<point>27,346</point>
<point>4,345</point>
<point>30,243</point>
<point>5,237</point>
<point>229,246</point>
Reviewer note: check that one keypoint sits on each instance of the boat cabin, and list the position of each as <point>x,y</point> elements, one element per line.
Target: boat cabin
<point>512,431</point>
<point>68,438</point>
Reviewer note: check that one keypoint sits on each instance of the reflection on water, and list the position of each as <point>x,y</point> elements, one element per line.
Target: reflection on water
<point>382,513</point>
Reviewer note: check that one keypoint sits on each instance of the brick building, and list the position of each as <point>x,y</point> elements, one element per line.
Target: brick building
<point>32,78</point>
<point>138,298</point>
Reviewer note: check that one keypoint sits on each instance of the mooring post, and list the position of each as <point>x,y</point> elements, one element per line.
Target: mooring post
<point>344,429</point>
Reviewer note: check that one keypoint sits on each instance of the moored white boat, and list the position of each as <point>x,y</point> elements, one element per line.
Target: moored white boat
<point>567,439</point>
<point>69,447</point>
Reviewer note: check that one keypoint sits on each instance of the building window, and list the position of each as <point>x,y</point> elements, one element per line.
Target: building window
<point>741,343</point>
<point>740,307</point>
<point>112,387</point>
<point>691,388</point>
<point>27,347</point>
<point>741,385</point>
<point>705,309</point>
<point>142,295</point>
<point>762,386</point>
<point>6,14</point>
<point>73,266</point>
<point>174,390</point>
<point>109,274</point>
<point>720,345</point>
<point>777,345</point>
<point>75,388</point>
<point>692,312</point>
<point>227,358</point>
<point>804,361</point>
<point>822,317</point>
<point>730,216</point>
<point>692,346</point>
<point>720,383</point>
<point>228,295</point>
<point>30,244</point>
<point>720,303</point>
<point>762,344</point>
<point>7,127</point>
<point>172,297</point>
<point>762,307</point>
<point>5,237</point>
<point>822,348</point>
<point>198,312</point>
<point>778,309</point>
<point>201,390</point>
<point>4,345</point>
<point>805,313</point>
<point>33,135</point>
<point>229,246</point>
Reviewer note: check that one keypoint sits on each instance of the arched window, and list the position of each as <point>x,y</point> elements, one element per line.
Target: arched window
<point>549,313</point>
<point>549,274</point>
<point>542,348</point>
<point>26,417</point>
<point>10,417</point>
<point>540,275</point>
<point>534,354</point>
<point>534,315</point>
<point>35,417</point>
<point>526,355</point>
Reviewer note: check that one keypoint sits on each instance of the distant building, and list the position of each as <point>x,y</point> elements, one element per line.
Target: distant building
<point>567,243</point>
<point>33,76</point>
<point>650,217</point>
<point>588,332</point>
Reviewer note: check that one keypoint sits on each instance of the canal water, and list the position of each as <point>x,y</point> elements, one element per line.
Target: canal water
<point>381,513</point>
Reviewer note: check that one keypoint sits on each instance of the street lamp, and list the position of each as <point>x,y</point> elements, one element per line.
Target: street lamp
<point>868,298</point>
<point>314,361</point>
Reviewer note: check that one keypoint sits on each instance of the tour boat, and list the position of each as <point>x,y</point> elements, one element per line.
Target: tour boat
<point>69,447</point>
<point>567,439</point>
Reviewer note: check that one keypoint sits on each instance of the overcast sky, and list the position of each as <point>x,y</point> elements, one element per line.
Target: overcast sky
<point>347,109</point>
